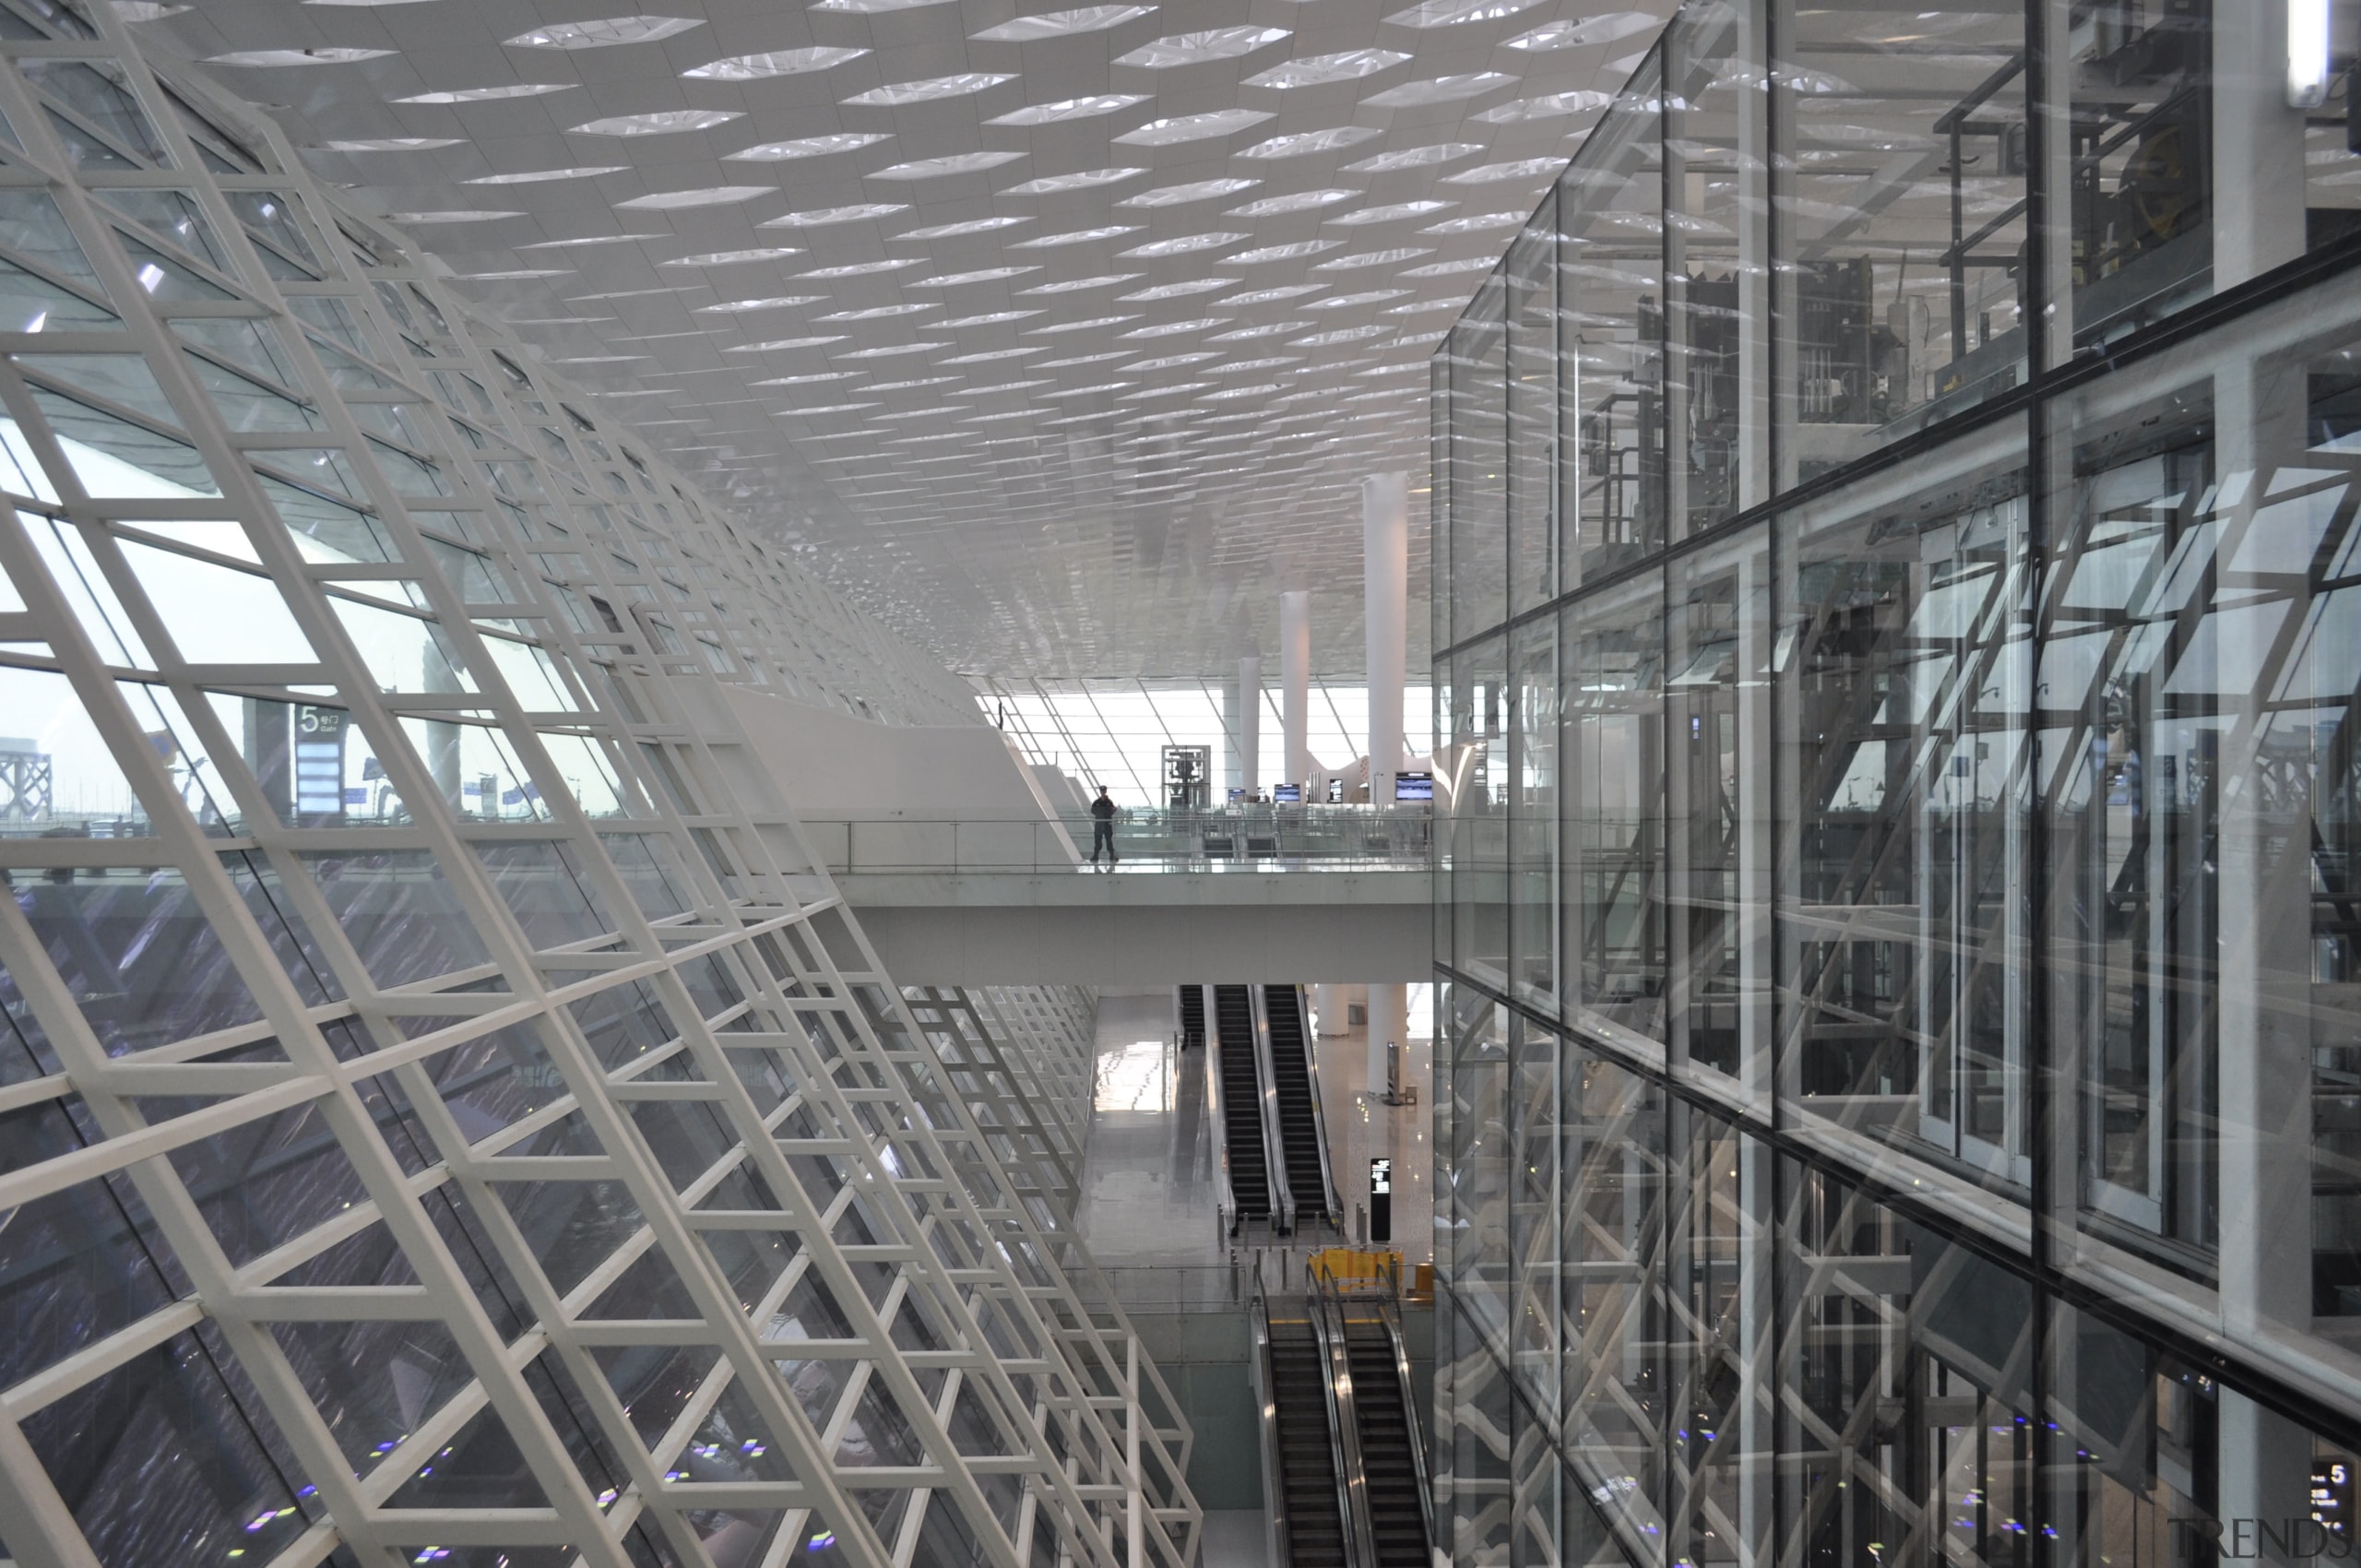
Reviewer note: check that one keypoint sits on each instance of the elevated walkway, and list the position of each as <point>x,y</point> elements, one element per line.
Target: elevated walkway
<point>1255,897</point>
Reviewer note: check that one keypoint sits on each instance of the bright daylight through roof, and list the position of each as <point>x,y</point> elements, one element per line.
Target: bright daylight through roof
<point>1196,784</point>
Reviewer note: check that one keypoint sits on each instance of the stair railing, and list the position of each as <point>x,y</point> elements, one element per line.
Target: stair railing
<point>1274,1141</point>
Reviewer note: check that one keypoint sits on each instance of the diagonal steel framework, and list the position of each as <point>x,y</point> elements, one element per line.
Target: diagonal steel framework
<point>451,1115</point>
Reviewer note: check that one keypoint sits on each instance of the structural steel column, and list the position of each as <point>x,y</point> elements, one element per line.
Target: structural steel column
<point>1385,574</point>
<point>1295,682</point>
<point>1249,723</point>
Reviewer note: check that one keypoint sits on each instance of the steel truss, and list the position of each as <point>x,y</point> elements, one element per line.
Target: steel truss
<point>538,1169</point>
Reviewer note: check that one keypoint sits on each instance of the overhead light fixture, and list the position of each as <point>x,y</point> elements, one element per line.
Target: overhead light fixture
<point>2308,67</point>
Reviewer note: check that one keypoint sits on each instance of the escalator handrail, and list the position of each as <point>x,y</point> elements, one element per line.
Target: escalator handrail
<point>1343,1425</point>
<point>1225,1194</point>
<point>1391,1315</point>
<point>1319,1108</point>
<point>1274,1143</point>
<point>1274,1487</point>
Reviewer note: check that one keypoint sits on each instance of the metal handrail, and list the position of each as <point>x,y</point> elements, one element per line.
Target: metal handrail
<point>1225,1194</point>
<point>1343,1425</point>
<point>1275,1516</point>
<point>1307,837</point>
<point>1319,1108</point>
<point>1390,1314</point>
<point>1274,1141</point>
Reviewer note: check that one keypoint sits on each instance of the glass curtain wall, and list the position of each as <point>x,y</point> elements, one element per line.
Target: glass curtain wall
<point>445,1115</point>
<point>1898,680</point>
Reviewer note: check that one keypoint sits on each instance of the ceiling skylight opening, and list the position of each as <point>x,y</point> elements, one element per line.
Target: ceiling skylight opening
<point>776,63</point>
<point>1294,201</point>
<point>448,216</point>
<point>1174,328</point>
<point>1475,223</point>
<point>806,380</point>
<point>390,144</point>
<point>1550,106</point>
<point>711,195</point>
<point>1051,184</point>
<point>1501,173</point>
<point>1347,65</point>
<point>1293,251</point>
<point>536,176</point>
<point>1267,296</point>
<point>1371,258</point>
<point>805,146</point>
<point>960,279</point>
<point>1190,47</point>
<point>891,350</point>
<point>1303,143</point>
<point>1452,269</point>
<point>1393,212</point>
<point>1184,244</point>
<point>1076,285</point>
<point>822,216</point>
<point>594,240</point>
<point>972,226</point>
<point>1169,361</point>
<point>486,94</point>
<point>990,318</point>
<point>1061,24</point>
<point>992,354</point>
<point>730,258</point>
<point>271,59</point>
<point>1452,13</point>
<point>929,89</point>
<point>1178,291</point>
<point>1414,158</point>
<point>1195,190</point>
<point>663,121</point>
<point>954,163</point>
<point>739,307</point>
<point>603,34</point>
<point>1195,128</point>
<point>1268,329</point>
<point>876,313</point>
<point>1075,237</point>
<point>874,7</point>
<point>1348,302</point>
<point>857,268</point>
<point>1605,27</point>
<point>1442,90</point>
<point>1090,326</point>
<point>1068,109</point>
<point>779,344</point>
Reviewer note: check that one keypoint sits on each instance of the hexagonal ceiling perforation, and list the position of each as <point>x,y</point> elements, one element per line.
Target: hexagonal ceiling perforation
<point>1059,338</point>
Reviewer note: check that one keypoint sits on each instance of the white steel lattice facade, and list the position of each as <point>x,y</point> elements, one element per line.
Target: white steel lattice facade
<point>444,1114</point>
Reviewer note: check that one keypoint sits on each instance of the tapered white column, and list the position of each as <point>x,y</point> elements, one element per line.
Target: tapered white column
<point>1389,1021</point>
<point>1385,575</point>
<point>1295,684</point>
<point>1250,724</point>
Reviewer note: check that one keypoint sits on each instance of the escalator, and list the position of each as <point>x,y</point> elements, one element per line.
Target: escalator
<point>1191,1005</point>
<point>1343,1461</point>
<point>1240,1088</point>
<point>1299,1458</point>
<point>1393,1460</point>
<point>1303,1134</point>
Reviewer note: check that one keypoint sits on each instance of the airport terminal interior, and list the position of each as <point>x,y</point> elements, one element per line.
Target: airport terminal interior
<point>1180,784</point>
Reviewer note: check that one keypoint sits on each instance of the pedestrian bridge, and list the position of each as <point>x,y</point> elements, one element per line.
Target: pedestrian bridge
<point>1278,894</point>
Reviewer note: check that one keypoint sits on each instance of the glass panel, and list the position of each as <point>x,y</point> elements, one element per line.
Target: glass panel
<point>1717,703</point>
<point>1529,478</point>
<point>1474,782</point>
<point>1902,214</point>
<point>1533,807</point>
<point>1479,544</point>
<point>1612,746</point>
<point>1611,208</point>
<point>1902,667</point>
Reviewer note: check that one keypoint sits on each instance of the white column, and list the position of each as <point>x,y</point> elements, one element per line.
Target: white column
<point>1385,575</point>
<point>1295,684</point>
<point>2257,185</point>
<point>1249,723</point>
<point>1389,1020</point>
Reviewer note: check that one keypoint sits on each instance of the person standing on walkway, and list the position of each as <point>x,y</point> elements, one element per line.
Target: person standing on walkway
<point>1102,827</point>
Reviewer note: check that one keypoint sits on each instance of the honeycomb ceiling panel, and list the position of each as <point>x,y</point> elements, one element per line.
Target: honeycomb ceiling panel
<point>1060,338</point>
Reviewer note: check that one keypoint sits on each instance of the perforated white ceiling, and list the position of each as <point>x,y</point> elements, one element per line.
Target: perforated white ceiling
<point>1060,338</point>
